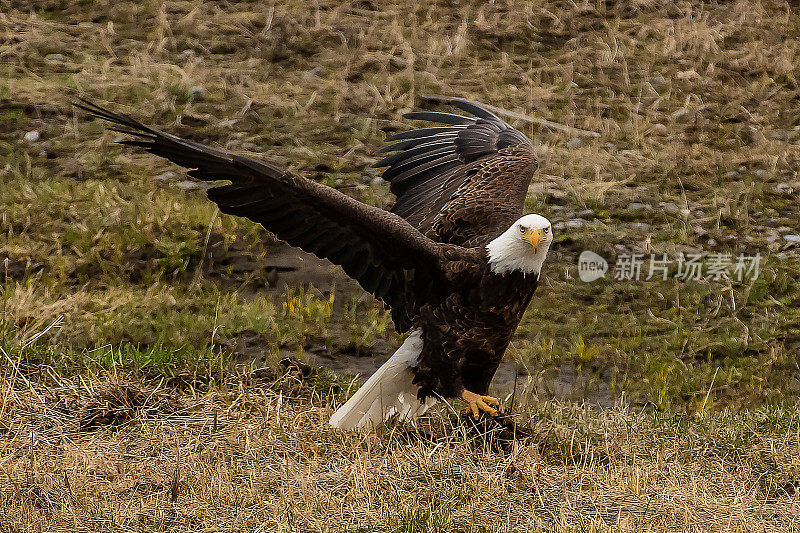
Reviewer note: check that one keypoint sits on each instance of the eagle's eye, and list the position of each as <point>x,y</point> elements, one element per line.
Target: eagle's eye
<point>547,230</point>
<point>522,229</point>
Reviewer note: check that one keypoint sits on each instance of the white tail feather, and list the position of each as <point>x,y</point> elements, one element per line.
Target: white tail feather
<point>387,392</point>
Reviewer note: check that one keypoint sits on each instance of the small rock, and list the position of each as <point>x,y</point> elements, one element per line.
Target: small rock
<point>640,207</point>
<point>54,57</point>
<point>784,229</point>
<point>197,92</point>
<point>793,239</point>
<point>377,180</point>
<point>669,207</point>
<point>166,176</point>
<point>575,223</point>
<point>575,142</point>
<point>639,226</point>
<point>311,75</point>
<point>86,25</point>
<point>681,115</point>
<point>760,173</point>
<point>187,185</point>
<point>32,136</point>
<point>660,129</point>
<point>657,81</point>
<point>712,242</point>
<point>730,175</point>
<point>586,213</point>
<point>399,62</point>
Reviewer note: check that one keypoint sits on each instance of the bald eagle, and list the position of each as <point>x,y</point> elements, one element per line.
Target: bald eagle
<point>454,260</point>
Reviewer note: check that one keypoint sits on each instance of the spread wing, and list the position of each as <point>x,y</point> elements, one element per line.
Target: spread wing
<point>386,255</point>
<point>464,182</point>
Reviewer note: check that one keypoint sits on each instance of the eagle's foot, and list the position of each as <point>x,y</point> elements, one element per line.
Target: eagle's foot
<point>478,403</point>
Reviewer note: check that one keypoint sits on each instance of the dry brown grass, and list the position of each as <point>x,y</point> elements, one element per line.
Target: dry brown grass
<point>247,458</point>
<point>695,104</point>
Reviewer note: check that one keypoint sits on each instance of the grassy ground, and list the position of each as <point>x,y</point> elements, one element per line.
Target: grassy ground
<point>109,274</point>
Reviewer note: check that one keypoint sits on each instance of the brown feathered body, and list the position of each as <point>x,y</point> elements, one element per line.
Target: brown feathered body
<point>458,186</point>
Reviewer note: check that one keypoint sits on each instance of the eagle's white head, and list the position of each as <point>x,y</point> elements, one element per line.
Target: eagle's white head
<point>523,246</point>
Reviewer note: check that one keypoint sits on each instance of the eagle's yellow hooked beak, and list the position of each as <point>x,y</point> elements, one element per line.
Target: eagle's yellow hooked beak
<point>533,237</point>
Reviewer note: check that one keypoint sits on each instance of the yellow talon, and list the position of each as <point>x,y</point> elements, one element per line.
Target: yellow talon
<point>478,403</point>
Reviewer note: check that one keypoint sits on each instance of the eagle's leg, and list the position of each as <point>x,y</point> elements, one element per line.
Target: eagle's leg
<point>478,403</point>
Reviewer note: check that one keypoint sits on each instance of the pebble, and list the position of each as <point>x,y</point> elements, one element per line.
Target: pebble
<point>32,136</point>
<point>640,226</point>
<point>712,242</point>
<point>657,81</point>
<point>54,57</point>
<point>166,176</point>
<point>659,129</point>
<point>640,207</point>
<point>187,185</point>
<point>760,173</point>
<point>86,25</point>
<point>794,239</point>
<point>586,213</point>
<point>575,223</point>
<point>575,142</point>
<point>669,207</point>
<point>197,92</point>
<point>377,180</point>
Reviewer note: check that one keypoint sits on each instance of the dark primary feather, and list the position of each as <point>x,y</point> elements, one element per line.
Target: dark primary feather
<point>384,253</point>
<point>463,183</point>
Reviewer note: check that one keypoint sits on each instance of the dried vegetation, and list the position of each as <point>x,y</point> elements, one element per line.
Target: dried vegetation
<point>142,332</point>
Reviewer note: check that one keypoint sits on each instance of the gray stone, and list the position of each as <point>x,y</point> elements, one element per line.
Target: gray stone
<point>54,57</point>
<point>575,223</point>
<point>575,142</point>
<point>187,185</point>
<point>657,81</point>
<point>197,92</point>
<point>792,239</point>
<point>635,206</point>
<point>682,115</point>
<point>659,129</point>
<point>32,136</point>
<point>670,207</point>
<point>639,226</point>
<point>586,213</point>
<point>166,176</point>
